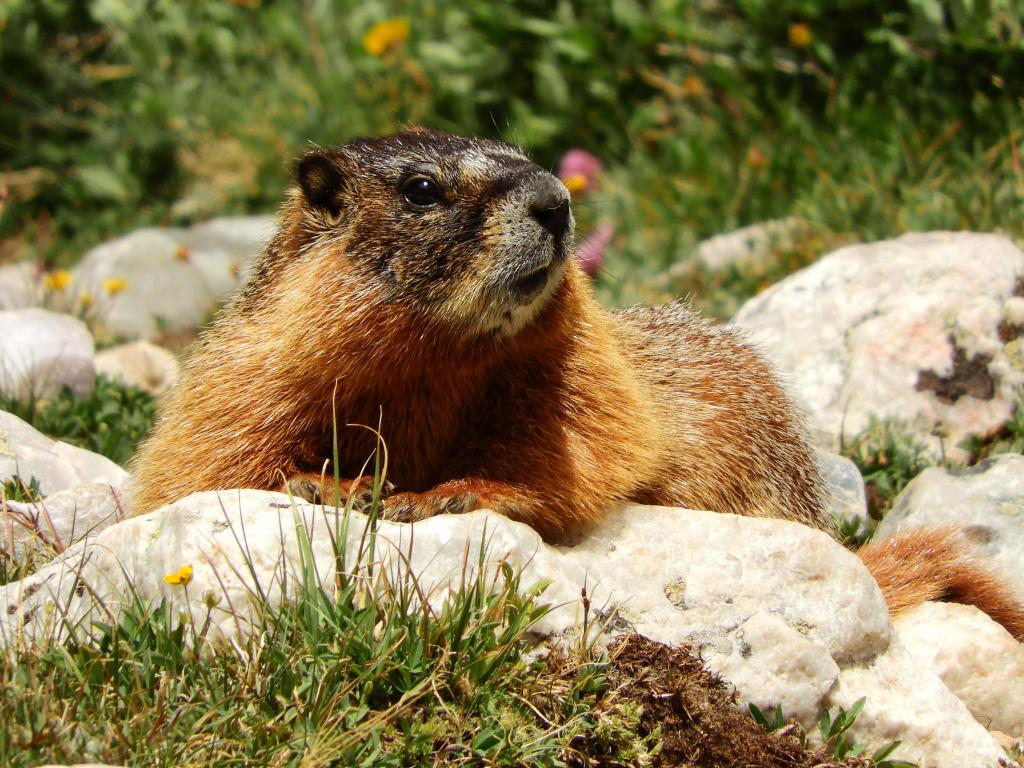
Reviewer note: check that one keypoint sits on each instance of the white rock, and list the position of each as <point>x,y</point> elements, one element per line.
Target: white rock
<point>19,286</point>
<point>976,658</point>
<point>912,705</point>
<point>223,248</point>
<point>42,351</point>
<point>174,277</point>
<point>790,670</point>
<point>67,516</point>
<point>907,329</point>
<point>27,453</point>
<point>986,501</point>
<point>845,485</point>
<point>747,246</point>
<point>785,612</point>
<point>163,289</point>
<point>140,363</point>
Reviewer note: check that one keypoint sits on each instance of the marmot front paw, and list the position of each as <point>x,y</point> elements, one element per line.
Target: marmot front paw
<point>323,490</point>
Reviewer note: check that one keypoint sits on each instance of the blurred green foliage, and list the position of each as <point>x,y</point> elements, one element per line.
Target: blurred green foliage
<point>864,117</point>
<point>111,420</point>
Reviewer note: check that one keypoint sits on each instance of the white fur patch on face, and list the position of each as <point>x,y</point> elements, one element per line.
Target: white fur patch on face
<point>510,322</point>
<point>474,166</point>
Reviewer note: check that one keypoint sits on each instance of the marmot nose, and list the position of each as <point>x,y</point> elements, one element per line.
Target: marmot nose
<point>549,206</point>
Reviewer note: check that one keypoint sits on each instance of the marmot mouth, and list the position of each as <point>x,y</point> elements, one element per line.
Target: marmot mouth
<point>526,286</point>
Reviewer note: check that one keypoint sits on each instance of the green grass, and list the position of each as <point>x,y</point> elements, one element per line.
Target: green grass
<point>111,420</point>
<point>888,457</point>
<point>833,730</point>
<point>347,675</point>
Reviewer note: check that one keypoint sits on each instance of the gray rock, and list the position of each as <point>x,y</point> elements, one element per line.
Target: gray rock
<point>912,329</point>
<point>985,501</point>
<point>910,704</point>
<point>65,517</point>
<point>224,248</point>
<point>27,453</point>
<point>19,286</point>
<point>42,351</point>
<point>976,658</point>
<point>845,485</point>
<point>140,363</point>
<point>747,246</point>
<point>173,277</point>
<point>163,290</point>
<point>783,611</point>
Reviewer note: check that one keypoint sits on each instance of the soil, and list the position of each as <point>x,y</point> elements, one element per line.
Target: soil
<point>701,724</point>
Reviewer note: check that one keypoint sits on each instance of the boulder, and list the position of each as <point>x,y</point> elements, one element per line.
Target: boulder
<point>168,279</point>
<point>845,485</point>
<point>141,364</point>
<point>780,610</point>
<point>985,501</point>
<point>748,246</point>
<point>27,453</point>
<point>144,283</point>
<point>222,249</point>
<point>978,660</point>
<point>912,329</point>
<point>19,286</point>
<point>65,517</point>
<point>43,351</point>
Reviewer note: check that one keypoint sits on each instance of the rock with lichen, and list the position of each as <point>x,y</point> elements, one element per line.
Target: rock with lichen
<point>927,329</point>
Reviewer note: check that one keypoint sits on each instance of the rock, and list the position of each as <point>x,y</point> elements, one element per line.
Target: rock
<point>845,485</point>
<point>910,329</point>
<point>28,453</point>
<point>67,516</point>
<point>158,289</point>
<point>747,246</point>
<point>140,363</point>
<point>169,279</point>
<point>19,286</point>
<point>976,658</point>
<point>42,351</point>
<point>223,248</point>
<point>910,704</point>
<point>986,501</point>
<point>781,610</point>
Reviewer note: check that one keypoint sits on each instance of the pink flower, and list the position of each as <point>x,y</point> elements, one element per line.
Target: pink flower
<point>579,171</point>
<point>590,253</point>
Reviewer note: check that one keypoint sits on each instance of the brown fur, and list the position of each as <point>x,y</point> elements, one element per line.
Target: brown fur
<point>366,312</point>
<point>933,564</point>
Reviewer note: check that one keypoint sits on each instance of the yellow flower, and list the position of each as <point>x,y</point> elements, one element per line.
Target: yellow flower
<point>799,35</point>
<point>86,299</point>
<point>693,87</point>
<point>114,285</point>
<point>181,576</point>
<point>575,183</point>
<point>57,280</point>
<point>385,36</point>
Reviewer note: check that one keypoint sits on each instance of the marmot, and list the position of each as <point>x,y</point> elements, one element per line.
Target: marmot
<point>423,283</point>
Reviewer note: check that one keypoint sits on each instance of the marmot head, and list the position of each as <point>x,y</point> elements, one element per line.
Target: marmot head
<point>467,233</point>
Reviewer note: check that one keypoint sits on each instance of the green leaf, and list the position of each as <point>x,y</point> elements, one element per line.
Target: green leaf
<point>102,182</point>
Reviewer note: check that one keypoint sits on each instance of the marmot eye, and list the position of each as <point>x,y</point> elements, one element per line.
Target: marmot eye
<point>421,192</point>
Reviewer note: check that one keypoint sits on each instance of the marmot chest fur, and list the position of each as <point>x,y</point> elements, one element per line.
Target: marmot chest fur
<point>422,284</point>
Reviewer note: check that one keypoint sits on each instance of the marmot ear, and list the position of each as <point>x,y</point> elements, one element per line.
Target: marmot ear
<point>322,177</point>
